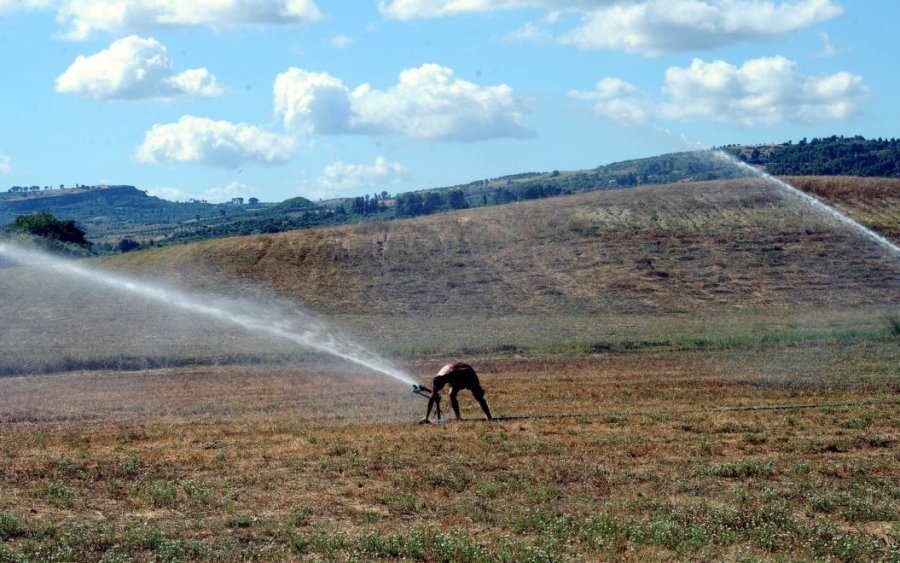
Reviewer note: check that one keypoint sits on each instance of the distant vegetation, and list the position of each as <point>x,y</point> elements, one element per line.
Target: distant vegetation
<point>668,248</point>
<point>832,156</point>
<point>51,233</point>
<point>124,218</point>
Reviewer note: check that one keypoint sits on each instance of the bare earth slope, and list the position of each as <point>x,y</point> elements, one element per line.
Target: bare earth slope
<point>766,434</point>
<point>676,247</point>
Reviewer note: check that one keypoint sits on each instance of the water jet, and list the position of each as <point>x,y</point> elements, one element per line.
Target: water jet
<point>817,204</point>
<point>297,327</point>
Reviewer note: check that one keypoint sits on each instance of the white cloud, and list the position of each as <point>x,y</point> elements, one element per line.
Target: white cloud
<point>764,91</point>
<point>85,17</point>
<point>767,90</point>
<point>619,101</point>
<point>134,68</point>
<point>646,27</point>
<point>829,49</point>
<point>657,27</point>
<point>216,194</point>
<point>313,102</point>
<point>345,176</point>
<point>22,5</point>
<point>415,9</point>
<point>428,102</point>
<point>217,143</point>
<point>341,41</point>
<point>530,33</point>
<point>228,192</point>
<point>171,194</point>
<point>5,164</point>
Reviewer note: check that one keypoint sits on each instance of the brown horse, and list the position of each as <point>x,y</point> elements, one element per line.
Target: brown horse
<point>458,376</point>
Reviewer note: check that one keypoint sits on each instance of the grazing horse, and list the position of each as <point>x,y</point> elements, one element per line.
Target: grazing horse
<point>458,376</point>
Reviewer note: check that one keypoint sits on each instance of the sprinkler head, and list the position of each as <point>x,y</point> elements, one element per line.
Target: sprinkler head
<point>419,389</point>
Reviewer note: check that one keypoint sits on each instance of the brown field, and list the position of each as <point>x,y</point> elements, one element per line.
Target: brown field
<point>674,455</point>
<point>653,249</point>
<point>744,406</point>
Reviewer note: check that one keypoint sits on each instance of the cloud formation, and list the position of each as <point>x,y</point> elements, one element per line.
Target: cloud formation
<point>217,194</point>
<point>84,17</point>
<point>428,103</point>
<point>657,27</point>
<point>764,91</point>
<point>646,27</point>
<point>829,49</point>
<point>216,143</point>
<point>17,5</point>
<point>312,102</point>
<point>417,9</point>
<point>619,101</point>
<point>134,68</point>
<point>341,41</point>
<point>345,176</point>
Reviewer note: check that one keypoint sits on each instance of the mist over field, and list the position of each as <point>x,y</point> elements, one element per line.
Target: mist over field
<point>688,370</point>
<point>659,240</point>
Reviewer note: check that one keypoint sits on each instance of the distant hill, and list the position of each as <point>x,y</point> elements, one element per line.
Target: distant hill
<point>666,248</point>
<point>830,156</point>
<point>111,213</point>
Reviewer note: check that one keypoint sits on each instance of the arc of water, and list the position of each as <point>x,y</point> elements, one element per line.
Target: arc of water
<point>814,202</point>
<point>316,338</point>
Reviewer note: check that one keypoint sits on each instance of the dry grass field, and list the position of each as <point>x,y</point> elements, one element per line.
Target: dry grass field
<point>684,455</point>
<point>688,372</point>
<point>654,249</point>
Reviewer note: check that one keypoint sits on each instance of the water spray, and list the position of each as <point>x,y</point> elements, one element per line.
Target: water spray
<point>426,392</point>
<point>814,202</point>
<point>311,333</point>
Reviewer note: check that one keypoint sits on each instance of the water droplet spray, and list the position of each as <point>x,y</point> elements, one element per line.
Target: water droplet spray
<point>813,202</point>
<point>299,328</point>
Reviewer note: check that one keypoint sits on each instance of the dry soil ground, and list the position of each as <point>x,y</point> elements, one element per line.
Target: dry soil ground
<point>692,454</point>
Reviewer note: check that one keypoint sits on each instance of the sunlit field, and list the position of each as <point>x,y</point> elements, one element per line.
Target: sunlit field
<point>696,453</point>
<point>677,372</point>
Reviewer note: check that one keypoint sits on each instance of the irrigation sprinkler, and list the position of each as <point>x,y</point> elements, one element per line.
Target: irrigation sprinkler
<point>426,392</point>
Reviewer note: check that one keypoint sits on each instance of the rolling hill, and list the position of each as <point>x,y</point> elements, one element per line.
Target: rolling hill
<point>110,214</point>
<point>654,249</point>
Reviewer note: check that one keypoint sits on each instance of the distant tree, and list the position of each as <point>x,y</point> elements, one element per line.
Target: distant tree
<point>253,201</point>
<point>409,205</point>
<point>434,201</point>
<point>456,199</point>
<point>374,204</point>
<point>358,206</point>
<point>127,245</point>
<point>47,226</point>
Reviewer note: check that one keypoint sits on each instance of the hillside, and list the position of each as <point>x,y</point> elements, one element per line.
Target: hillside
<point>831,156</point>
<point>111,213</point>
<point>653,249</point>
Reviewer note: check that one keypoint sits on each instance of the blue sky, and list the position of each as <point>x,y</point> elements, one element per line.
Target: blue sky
<point>278,98</point>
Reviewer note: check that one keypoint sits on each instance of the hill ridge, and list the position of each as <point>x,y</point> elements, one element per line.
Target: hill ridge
<point>667,248</point>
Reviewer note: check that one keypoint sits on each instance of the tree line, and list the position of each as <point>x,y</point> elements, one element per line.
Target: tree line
<point>830,156</point>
